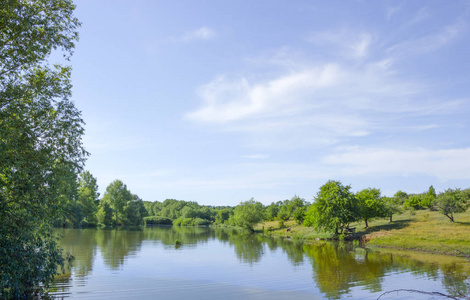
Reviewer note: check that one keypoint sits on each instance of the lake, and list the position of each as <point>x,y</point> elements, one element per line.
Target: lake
<point>219,263</point>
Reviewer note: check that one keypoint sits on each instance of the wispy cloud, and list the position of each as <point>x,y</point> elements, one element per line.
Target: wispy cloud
<point>427,43</point>
<point>200,34</point>
<point>346,42</point>
<point>443,164</point>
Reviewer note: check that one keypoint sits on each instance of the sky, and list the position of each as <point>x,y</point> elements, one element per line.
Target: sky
<point>221,101</point>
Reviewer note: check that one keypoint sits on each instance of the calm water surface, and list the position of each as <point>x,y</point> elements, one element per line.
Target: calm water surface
<point>226,264</point>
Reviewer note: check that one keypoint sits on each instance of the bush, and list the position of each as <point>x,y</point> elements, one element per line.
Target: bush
<point>201,222</point>
<point>156,220</point>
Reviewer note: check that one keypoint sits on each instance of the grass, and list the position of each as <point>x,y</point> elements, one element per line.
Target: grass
<point>427,231</point>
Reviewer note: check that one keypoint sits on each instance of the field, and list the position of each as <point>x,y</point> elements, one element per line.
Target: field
<point>426,230</point>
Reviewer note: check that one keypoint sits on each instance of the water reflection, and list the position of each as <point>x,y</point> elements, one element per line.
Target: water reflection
<point>337,268</point>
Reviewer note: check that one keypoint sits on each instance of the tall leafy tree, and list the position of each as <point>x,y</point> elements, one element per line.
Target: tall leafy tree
<point>117,195</point>
<point>88,196</point>
<point>371,204</point>
<point>40,139</point>
<point>334,207</point>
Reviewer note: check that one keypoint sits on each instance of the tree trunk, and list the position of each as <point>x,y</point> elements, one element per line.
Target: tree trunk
<point>391,219</point>
<point>367,225</point>
<point>450,216</point>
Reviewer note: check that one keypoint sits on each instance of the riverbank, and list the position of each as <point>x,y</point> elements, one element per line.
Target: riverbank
<point>425,231</point>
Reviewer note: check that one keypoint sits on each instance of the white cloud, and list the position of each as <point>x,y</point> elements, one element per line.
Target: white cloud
<point>346,42</point>
<point>443,164</point>
<point>202,33</point>
<point>318,105</point>
<point>429,42</point>
<point>235,100</point>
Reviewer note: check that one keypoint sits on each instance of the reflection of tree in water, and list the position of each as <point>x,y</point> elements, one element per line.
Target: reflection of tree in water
<point>82,244</point>
<point>337,268</point>
<point>248,247</point>
<point>186,235</point>
<point>116,245</point>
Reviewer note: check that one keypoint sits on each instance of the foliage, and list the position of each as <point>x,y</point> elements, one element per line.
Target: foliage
<point>88,196</point>
<point>155,220</point>
<point>247,214</point>
<point>40,140</point>
<point>391,207</point>
<point>414,201</point>
<point>400,197</point>
<point>117,195</point>
<point>105,214</point>
<point>452,201</point>
<point>334,207</point>
<point>223,215</point>
<point>429,198</point>
<point>371,204</point>
<point>295,207</point>
<point>272,211</point>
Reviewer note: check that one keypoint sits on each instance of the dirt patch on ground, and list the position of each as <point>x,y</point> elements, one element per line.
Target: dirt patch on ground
<point>367,237</point>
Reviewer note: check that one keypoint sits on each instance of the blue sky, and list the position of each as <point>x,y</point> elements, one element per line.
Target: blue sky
<point>221,101</point>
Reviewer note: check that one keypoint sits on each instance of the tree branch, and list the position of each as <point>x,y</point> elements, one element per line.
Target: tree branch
<point>420,292</point>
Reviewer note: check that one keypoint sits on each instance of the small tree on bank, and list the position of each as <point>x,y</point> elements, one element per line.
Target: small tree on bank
<point>450,202</point>
<point>334,207</point>
<point>371,204</point>
<point>247,214</point>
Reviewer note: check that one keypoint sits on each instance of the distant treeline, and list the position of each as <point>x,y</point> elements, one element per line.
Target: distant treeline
<point>333,209</point>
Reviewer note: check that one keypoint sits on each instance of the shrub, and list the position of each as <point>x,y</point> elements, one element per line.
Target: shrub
<point>201,222</point>
<point>156,220</point>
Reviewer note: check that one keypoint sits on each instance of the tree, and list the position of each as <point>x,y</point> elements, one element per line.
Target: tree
<point>452,201</point>
<point>247,214</point>
<point>135,211</point>
<point>105,214</point>
<point>429,198</point>
<point>400,197</point>
<point>370,204</point>
<point>414,201</point>
<point>40,139</point>
<point>88,196</point>
<point>117,195</point>
<point>333,208</point>
<point>391,207</point>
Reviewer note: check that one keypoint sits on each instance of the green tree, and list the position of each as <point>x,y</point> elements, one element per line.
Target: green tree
<point>272,211</point>
<point>333,208</point>
<point>135,211</point>
<point>429,198</point>
<point>452,201</point>
<point>88,196</point>
<point>40,138</point>
<point>105,214</point>
<point>400,197</point>
<point>391,207</point>
<point>117,196</point>
<point>370,204</point>
<point>414,201</point>
<point>247,214</point>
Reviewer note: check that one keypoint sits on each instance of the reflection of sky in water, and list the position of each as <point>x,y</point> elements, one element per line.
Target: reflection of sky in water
<point>219,270</point>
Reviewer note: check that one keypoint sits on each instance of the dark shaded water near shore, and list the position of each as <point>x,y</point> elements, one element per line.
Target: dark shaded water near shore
<point>216,263</point>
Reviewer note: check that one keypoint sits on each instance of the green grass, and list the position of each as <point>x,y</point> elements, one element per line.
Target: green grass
<point>427,231</point>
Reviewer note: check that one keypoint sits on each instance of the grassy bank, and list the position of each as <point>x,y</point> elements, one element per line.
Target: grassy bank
<point>427,231</point>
